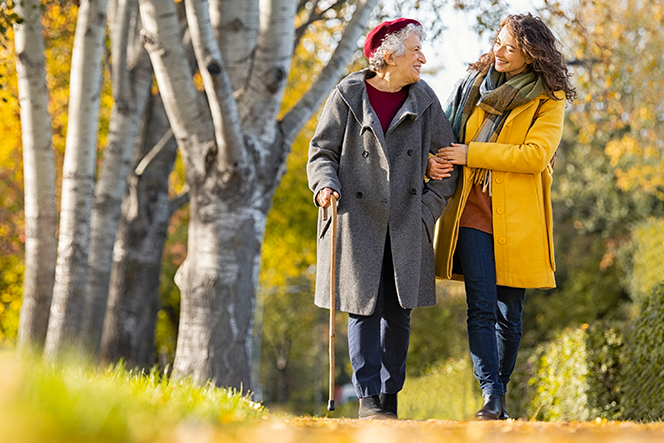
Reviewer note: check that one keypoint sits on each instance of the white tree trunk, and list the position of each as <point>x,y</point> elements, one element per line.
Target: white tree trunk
<point>132,80</point>
<point>134,291</point>
<point>65,323</point>
<point>39,176</point>
<point>229,199</point>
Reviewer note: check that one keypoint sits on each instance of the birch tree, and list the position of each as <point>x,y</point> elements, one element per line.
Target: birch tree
<point>77,179</point>
<point>39,175</point>
<point>234,149</point>
<point>129,328</point>
<point>131,74</point>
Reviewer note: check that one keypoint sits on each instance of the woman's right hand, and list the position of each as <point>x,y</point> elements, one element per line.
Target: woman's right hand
<point>438,168</point>
<point>323,197</point>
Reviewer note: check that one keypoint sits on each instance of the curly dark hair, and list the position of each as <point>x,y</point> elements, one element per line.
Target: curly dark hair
<point>536,40</point>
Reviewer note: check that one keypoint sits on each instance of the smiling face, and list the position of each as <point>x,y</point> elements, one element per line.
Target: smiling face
<point>509,58</point>
<point>406,68</point>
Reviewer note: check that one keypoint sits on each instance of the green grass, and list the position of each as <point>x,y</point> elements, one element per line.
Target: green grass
<point>448,392</point>
<point>74,402</point>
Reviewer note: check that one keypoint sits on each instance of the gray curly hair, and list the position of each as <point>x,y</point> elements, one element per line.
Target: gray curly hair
<point>394,43</point>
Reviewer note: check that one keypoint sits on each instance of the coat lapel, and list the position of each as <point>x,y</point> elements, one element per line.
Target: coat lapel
<point>518,110</point>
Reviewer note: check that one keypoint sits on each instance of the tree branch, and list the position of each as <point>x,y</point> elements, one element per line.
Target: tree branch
<point>192,127</point>
<point>156,149</point>
<point>235,25</point>
<point>274,52</point>
<point>228,131</point>
<point>311,101</point>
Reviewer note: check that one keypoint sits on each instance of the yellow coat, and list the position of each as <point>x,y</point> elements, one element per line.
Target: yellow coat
<point>521,195</point>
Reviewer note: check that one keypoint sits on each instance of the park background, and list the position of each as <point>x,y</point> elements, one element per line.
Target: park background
<point>593,347</point>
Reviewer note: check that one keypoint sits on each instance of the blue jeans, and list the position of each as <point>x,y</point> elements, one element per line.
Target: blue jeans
<point>494,313</point>
<point>378,343</point>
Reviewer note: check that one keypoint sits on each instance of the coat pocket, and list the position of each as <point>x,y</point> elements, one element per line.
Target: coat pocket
<point>323,225</point>
<point>429,223</point>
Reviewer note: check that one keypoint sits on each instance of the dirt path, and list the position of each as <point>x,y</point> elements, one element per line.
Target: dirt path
<point>303,430</point>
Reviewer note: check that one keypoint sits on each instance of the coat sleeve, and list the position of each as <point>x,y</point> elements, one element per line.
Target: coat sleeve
<point>436,192</point>
<point>530,157</point>
<point>325,146</point>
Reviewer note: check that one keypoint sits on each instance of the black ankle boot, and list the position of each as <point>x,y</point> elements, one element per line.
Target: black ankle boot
<point>492,409</point>
<point>389,404</point>
<point>503,413</point>
<point>370,409</point>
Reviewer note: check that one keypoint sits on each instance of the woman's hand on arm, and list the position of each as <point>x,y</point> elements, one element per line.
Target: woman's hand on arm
<point>323,197</point>
<point>438,169</point>
<point>440,166</point>
<point>457,154</point>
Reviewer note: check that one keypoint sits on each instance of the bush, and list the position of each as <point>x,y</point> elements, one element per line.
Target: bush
<point>644,374</point>
<point>647,251</point>
<point>575,377</point>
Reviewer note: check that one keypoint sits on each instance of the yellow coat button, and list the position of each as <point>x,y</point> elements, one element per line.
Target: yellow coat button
<point>499,179</point>
<point>502,241</point>
<point>500,210</point>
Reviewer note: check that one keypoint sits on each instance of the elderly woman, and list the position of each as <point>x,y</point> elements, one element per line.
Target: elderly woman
<point>370,150</point>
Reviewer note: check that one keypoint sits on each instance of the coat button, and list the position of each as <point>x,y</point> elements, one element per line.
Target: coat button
<point>500,210</point>
<point>365,154</point>
<point>499,180</point>
<point>413,191</point>
<point>410,152</point>
<point>358,195</point>
<point>502,241</point>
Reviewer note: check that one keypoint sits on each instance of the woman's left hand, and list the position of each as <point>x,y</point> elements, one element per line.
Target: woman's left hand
<point>457,154</point>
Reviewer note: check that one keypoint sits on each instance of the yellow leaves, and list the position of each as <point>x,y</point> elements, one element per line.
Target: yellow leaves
<point>608,81</point>
<point>638,164</point>
<point>11,290</point>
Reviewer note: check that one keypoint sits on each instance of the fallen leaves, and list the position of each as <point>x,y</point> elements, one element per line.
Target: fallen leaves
<point>322,430</point>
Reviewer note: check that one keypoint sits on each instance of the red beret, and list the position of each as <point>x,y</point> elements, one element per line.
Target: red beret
<point>377,34</point>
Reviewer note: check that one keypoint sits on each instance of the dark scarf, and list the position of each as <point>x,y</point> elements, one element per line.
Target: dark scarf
<point>497,97</point>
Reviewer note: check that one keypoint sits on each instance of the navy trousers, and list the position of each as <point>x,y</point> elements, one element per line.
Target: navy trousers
<point>378,343</point>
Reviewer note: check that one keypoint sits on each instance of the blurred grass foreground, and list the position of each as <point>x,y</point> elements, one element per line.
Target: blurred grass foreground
<point>41,402</point>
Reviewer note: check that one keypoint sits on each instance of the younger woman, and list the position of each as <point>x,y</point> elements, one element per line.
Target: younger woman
<point>496,232</point>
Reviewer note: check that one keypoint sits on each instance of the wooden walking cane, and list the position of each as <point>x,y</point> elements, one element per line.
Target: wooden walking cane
<point>333,274</point>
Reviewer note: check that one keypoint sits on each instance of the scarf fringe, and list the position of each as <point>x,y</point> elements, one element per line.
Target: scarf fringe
<point>483,177</point>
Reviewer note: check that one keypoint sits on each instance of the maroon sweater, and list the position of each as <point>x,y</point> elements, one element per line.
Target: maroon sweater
<point>386,104</point>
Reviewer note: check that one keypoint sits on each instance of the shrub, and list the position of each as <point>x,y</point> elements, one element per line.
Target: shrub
<point>575,377</point>
<point>644,374</point>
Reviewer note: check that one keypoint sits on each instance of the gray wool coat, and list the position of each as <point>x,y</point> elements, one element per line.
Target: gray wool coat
<point>380,179</point>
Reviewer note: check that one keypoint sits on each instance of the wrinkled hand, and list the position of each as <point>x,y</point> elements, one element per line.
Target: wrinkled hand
<point>457,154</point>
<point>323,197</point>
<point>438,169</point>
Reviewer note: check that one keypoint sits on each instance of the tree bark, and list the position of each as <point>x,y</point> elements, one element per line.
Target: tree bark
<point>134,291</point>
<point>65,323</point>
<point>231,178</point>
<point>131,82</point>
<point>39,176</point>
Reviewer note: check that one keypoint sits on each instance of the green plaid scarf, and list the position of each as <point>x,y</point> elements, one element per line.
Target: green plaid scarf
<point>497,97</point>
